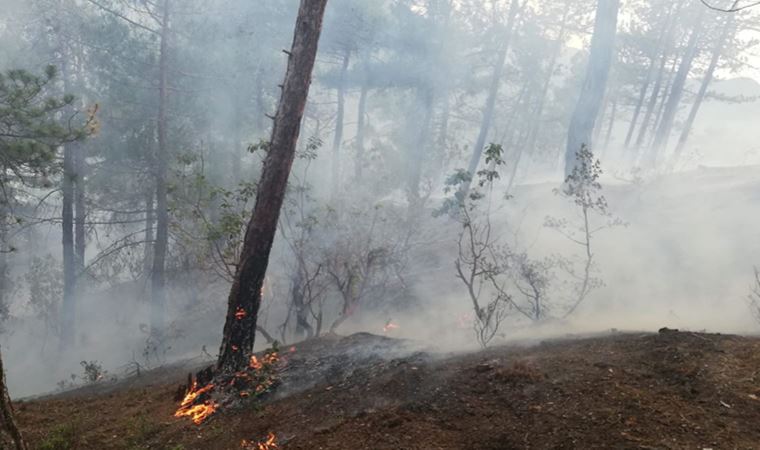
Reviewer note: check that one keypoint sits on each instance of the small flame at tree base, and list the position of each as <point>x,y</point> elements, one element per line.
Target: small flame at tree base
<point>198,413</point>
<point>270,443</point>
<point>259,378</point>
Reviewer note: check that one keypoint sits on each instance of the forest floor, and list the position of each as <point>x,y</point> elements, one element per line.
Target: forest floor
<point>622,390</point>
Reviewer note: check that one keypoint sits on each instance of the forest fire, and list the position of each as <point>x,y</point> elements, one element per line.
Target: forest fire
<point>269,359</point>
<point>270,443</point>
<point>226,391</point>
<point>197,412</point>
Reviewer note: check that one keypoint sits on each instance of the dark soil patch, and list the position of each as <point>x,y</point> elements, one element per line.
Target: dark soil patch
<point>673,390</point>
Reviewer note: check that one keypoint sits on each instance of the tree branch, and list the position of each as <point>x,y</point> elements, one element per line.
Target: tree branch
<point>734,8</point>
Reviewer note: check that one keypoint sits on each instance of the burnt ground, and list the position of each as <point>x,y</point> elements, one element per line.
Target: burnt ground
<point>676,390</point>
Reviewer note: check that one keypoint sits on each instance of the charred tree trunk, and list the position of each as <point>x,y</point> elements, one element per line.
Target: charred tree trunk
<point>662,134</point>
<point>10,436</point>
<point>245,294</point>
<point>600,60</point>
<point>708,78</point>
<point>493,94</point>
<point>158,273</point>
<point>361,131</point>
<point>339,124</point>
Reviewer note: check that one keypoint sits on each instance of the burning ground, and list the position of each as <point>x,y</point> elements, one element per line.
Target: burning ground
<point>622,390</point>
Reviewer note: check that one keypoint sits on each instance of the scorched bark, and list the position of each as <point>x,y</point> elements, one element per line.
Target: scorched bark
<point>245,294</point>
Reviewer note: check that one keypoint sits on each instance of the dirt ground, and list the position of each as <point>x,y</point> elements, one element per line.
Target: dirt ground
<point>668,390</point>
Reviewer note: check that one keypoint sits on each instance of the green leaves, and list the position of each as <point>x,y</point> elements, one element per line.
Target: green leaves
<point>583,185</point>
<point>31,124</point>
<point>460,180</point>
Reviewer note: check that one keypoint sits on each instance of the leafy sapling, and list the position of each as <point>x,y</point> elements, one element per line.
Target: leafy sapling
<point>583,189</point>
<point>482,263</point>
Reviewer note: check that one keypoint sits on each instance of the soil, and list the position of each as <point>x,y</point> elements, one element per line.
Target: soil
<point>668,390</point>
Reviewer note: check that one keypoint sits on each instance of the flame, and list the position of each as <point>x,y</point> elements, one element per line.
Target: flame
<point>390,326</point>
<point>270,443</point>
<point>256,379</point>
<point>268,359</point>
<point>198,413</point>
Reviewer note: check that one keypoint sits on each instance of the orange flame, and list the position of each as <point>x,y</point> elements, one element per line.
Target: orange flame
<point>268,359</point>
<point>270,443</point>
<point>198,413</point>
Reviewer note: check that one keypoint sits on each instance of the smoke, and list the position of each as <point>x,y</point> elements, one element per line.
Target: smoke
<point>684,259</point>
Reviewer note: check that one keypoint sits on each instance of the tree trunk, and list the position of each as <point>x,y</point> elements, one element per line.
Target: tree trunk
<point>339,124</point>
<point>676,91</point>
<point>652,104</point>
<point>556,52</point>
<point>717,53</point>
<point>519,148</point>
<point>304,330</point>
<point>10,436</point>
<point>663,100</point>
<point>662,42</point>
<point>4,272</point>
<point>599,125</point>
<point>425,103</point>
<point>68,312</point>
<point>611,124</point>
<point>361,131</point>
<point>80,213</point>
<point>493,94</point>
<point>600,60</point>
<point>245,295</point>
<point>158,274</point>
<point>443,129</point>
<point>149,225</point>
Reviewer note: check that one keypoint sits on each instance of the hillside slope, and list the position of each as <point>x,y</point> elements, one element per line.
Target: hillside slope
<point>666,390</point>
